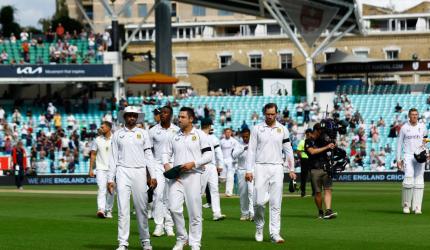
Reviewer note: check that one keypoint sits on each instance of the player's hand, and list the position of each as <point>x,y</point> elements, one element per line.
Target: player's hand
<point>219,170</point>
<point>293,175</point>
<point>167,167</point>
<point>110,187</point>
<point>331,146</point>
<point>400,165</point>
<point>153,183</point>
<point>249,177</point>
<point>188,166</point>
<point>91,173</point>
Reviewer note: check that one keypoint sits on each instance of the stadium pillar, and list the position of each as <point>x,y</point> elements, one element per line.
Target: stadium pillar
<point>163,41</point>
<point>309,79</point>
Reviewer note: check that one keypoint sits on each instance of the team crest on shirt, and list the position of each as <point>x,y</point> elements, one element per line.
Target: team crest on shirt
<point>194,138</point>
<point>139,136</point>
<point>279,130</point>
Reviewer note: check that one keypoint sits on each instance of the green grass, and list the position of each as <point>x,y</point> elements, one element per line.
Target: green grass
<point>369,218</point>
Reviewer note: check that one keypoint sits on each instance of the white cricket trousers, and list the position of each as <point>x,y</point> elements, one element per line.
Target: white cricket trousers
<point>132,180</point>
<point>104,198</point>
<point>268,184</point>
<point>160,200</point>
<point>210,177</point>
<point>246,191</point>
<point>187,188</point>
<point>413,183</point>
<point>229,171</point>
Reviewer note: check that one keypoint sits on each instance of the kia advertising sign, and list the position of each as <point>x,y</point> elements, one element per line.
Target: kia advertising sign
<point>56,71</point>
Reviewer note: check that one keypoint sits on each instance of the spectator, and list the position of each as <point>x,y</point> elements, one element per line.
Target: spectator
<point>2,114</point>
<point>286,114</point>
<point>299,110</point>
<point>254,118</point>
<point>12,38</point>
<point>24,35</point>
<point>51,110</point>
<point>4,56</point>
<point>398,108</point>
<point>200,113</point>
<point>70,161</point>
<point>388,149</point>
<point>228,116</point>
<point>16,117</point>
<point>375,134</point>
<point>63,165</point>
<point>64,143</point>
<point>107,42</point>
<point>244,126</point>
<point>381,122</point>
<point>42,164</point>
<point>59,31</point>
<point>307,111</point>
<point>57,120</point>
<point>25,51</point>
<point>222,116</point>
<point>19,164</point>
<point>392,133</point>
<point>71,121</point>
<point>86,151</point>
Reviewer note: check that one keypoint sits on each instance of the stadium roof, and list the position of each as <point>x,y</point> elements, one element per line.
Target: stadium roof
<point>256,8</point>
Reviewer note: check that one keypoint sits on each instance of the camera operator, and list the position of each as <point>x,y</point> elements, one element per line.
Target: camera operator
<point>316,148</point>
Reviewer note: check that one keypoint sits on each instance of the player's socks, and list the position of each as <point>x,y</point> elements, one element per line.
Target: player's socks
<point>417,199</point>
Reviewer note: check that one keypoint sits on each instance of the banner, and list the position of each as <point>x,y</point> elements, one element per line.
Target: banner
<point>56,71</point>
<point>4,162</point>
<point>310,18</point>
<point>277,87</point>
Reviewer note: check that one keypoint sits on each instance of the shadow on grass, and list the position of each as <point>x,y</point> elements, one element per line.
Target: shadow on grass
<point>110,247</point>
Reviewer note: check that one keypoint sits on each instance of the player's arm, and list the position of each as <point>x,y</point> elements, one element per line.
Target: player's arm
<point>167,153</point>
<point>399,148</point>
<point>93,155</point>
<point>219,158</point>
<point>113,162</point>
<point>288,150</point>
<point>250,156</point>
<point>147,150</point>
<point>238,151</point>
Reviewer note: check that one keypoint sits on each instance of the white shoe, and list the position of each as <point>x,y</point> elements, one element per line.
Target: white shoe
<point>170,232</point>
<point>259,235</point>
<point>195,247</point>
<point>122,248</point>
<point>406,210</point>
<point>277,239</point>
<point>159,231</point>
<point>251,217</point>
<point>179,245</point>
<point>219,217</point>
<point>418,212</point>
<point>207,205</point>
<point>146,245</point>
<point>109,215</point>
<point>244,217</point>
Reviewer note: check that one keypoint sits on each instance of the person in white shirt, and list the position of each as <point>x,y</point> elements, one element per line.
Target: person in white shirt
<point>412,137</point>
<point>2,113</point>
<point>192,151</point>
<point>246,189</point>
<point>71,121</point>
<point>210,175</point>
<point>130,159</point>
<point>159,136</point>
<point>228,143</point>
<point>100,151</point>
<point>265,165</point>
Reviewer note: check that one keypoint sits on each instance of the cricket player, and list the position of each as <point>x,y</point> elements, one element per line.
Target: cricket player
<point>412,136</point>
<point>100,151</point>
<point>246,189</point>
<point>264,165</point>
<point>131,157</point>
<point>159,135</point>
<point>191,150</point>
<point>210,174</point>
<point>227,144</point>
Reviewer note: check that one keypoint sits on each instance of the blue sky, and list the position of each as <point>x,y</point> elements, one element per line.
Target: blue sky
<point>30,11</point>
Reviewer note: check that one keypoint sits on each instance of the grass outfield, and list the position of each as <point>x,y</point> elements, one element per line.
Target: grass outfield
<point>369,218</point>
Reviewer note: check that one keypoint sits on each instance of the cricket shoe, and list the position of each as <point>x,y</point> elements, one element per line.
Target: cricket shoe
<point>259,235</point>
<point>101,214</point>
<point>170,232</point>
<point>329,214</point>
<point>277,239</point>
<point>146,245</point>
<point>180,245</point>
<point>406,210</point>
<point>122,248</point>
<point>109,215</point>
<point>219,217</point>
<point>159,231</point>
<point>244,217</point>
<point>195,247</point>
<point>417,211</point>
<point>207,205</point>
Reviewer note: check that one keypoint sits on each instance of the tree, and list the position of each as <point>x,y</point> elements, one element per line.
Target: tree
<point>61,9</point>
<point>45,23</point>
<point>7,21</point>
<point>62,16</point>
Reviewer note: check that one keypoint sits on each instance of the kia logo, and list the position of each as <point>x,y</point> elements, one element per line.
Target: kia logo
<point>29,70</point>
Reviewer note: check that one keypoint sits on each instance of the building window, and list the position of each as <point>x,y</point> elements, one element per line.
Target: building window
<point>127,11</point>
<point>224,60</point>
<point>173,7</point>
<point>286,61</point>
<point>199,10</point>
<point>224,13</point>
<point>328,55</point>
<point>142,9</point>
<point>362,53</point>
<point>181,65</point>
<point>392,54</point>
<point>255,61</point>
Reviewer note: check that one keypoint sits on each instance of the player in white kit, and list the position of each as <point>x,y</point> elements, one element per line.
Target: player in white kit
<point>191,151</point>
<point>227,144</point>
<point>265,165</point>
<point>411,138</point>
<point>210,174</point>
<point>100,152</point>
<point>131,158</point>
<point>246,188</point>
<point>159,135</point>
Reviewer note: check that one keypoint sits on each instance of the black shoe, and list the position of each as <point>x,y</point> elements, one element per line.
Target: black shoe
<point>329,214</point>
<point>320,214</point>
